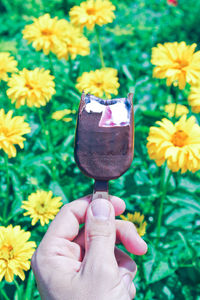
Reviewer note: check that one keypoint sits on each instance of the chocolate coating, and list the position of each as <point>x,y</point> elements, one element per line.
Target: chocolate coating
<point>103,153</point>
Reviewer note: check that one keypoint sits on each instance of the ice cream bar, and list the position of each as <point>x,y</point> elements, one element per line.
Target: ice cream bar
<point>104,138</point>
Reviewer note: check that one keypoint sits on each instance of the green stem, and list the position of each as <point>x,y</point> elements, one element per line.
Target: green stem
<point>45,130</point>
<point>51,65</point>
<point>52,72</point>
<point>141,269</point>
<point>6,96</point>
<point>163,187</point>
<point>175,109</point>
<point>175,96</point>
<point>3,293</point>
<point>7,189</point>
<point>18,288</point>
<point>7,5</point>
<point>48,141</point>
<point>100,48</point>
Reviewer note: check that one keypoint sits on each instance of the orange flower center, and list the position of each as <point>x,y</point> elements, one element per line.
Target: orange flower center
<point>179,138</point>
<point>46,31</point>
<point>182,63</point>
<point>29,86</point>
<point>90,11</point>
<point>6,252</point>
<point>98,84</point>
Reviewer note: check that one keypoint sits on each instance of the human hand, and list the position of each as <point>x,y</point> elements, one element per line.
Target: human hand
<point>85,265</point>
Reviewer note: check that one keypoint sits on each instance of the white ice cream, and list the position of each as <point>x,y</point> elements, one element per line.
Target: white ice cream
<point>112,115</point>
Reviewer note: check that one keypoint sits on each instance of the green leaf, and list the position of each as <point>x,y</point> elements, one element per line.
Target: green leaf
<point>153,114</point>
<point>148,267</point>
<point>58,191</point>
<point>142,129</point>
<point>68,141</point>
<point>190,185</point>
<point>191,251</point>
<point>161,271</point>
<point>30,286</point>
<point>36,160</point>
<point>179,214</point>
<point>188,202</point>
<point>127,72</point>
<point>10,46</point>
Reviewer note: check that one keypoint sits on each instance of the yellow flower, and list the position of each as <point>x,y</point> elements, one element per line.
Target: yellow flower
<point>7,65</point>
<point>15,252</point>
<point>43,33</point>
<point>60,114</point>
<point>11,131</point>
<point>177,62</point>
<point>180,110</point>
<point>178,144</point>
<point>58,36</point>
<point>138,220</point>
<point>194,98</point>
<point>34,88</point>
<point>73,40</point>
<point>99,82</point>
<point>67,120</point>
<point>92,12</point>
<point>41,206</point>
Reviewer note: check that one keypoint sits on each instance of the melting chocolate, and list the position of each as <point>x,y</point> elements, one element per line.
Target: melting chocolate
<point>104,137</point>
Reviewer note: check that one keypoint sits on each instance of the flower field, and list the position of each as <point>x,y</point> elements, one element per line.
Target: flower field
<point>50,51</point>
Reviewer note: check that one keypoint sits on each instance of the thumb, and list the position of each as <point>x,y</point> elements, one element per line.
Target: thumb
<point>100,236</point>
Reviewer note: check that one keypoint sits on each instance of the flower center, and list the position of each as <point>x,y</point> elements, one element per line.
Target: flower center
<point>182,63</point>
<point>41,209</point>
<point>28,86</point>
<point>6,252</point>
<point>46,31</point>
<point>91,11</point>
<point>179,138</point>
<point>98,84</point>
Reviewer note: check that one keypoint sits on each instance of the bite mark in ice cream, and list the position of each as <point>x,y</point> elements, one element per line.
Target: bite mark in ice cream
<point>114,112</point>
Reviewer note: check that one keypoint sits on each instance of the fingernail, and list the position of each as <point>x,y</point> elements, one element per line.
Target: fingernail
<point>127,280</point>
<point>100,209</point>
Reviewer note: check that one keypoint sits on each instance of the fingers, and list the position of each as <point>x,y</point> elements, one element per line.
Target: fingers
<point>132,291</point>
<point>66,223</point>
<point>118,204</point>
<point>127,270</point>
<point>100,235</point>
<point>125,263</point>
<point>128,236</point>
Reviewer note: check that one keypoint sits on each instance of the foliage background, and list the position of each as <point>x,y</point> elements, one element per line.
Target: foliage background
<point>171,270</point>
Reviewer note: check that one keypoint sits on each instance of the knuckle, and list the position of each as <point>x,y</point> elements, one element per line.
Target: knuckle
<point>100,229</point>
<point>131,226</point>
<point>98,234</point>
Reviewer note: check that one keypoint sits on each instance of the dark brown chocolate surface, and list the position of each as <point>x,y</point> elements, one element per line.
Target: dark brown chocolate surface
<point>103,153</point>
